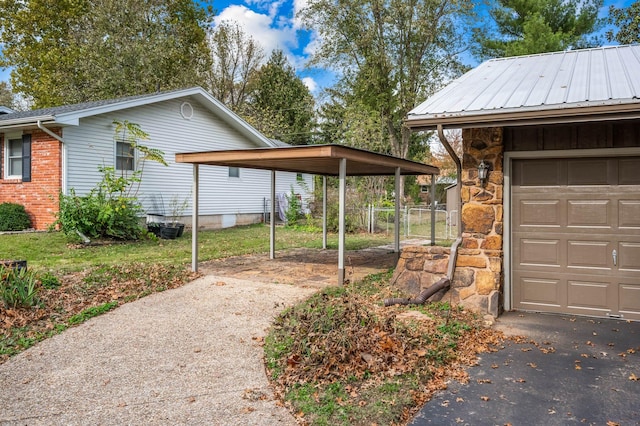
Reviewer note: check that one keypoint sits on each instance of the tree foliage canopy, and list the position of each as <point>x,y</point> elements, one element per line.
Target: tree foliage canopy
<point>6,95</point>
<point>627,21</point>
<point>280,104</point>
<point>69,51</point>
<point>236,58</point>
<point>536,26</point>
<point>390,53</point>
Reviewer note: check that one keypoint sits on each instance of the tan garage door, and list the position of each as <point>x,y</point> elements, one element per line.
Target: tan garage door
<point>576,236</point>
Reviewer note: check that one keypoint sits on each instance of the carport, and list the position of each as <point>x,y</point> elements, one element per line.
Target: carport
<point>324,160</point>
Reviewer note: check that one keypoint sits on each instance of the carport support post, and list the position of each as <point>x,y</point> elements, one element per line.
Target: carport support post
<point>341,213</point>
<point>433,210</point>
<point>396,234</point>
<point>272,225</point>
<point>324,212</point>
<point>194,220</point>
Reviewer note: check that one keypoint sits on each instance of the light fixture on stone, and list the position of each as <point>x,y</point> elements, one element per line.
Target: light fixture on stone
<point>483,172</point>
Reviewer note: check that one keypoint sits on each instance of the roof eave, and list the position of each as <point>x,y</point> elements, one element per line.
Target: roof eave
<point>524,117</point>
<point>26,122</point>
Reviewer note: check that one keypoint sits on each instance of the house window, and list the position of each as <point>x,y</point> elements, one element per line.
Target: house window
<point>125,156</point>
<point>14,158</point>
<point>234,172</point>
<point>299,177</point>
<point>424,189</point>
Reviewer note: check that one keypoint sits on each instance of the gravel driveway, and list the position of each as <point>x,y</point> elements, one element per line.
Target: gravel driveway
<point>191,355</point>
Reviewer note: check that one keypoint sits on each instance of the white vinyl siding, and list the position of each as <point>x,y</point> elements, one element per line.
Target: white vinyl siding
<point>91,145</point>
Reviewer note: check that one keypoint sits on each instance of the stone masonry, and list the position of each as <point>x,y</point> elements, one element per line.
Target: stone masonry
<point>478,278</point>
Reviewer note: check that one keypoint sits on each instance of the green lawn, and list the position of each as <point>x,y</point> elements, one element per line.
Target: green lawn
<point>53,251</point>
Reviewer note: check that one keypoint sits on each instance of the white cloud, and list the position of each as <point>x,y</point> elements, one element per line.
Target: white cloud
<point>298,5</point>
<point>275,26</point>
<point>261,27</point>
<point>272,6</point>
<point>310,83</point>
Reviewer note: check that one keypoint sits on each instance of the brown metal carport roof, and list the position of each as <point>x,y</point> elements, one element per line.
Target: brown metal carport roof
<point>313,159</point>
<point>325,160</point>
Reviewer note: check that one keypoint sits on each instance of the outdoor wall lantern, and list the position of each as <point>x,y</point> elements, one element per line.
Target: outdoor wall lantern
<point>483,172</point>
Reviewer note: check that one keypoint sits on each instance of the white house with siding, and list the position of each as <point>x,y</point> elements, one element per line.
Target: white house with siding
<point>48,151</point>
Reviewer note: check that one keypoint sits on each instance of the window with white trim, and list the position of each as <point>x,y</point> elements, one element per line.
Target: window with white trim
<point>234,172</point>
<point>125,156</point>
<point>14,158</point>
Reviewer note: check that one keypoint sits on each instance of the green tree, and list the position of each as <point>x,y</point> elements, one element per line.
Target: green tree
<point>236,58</point>
<point>627,21</point>
<point>391,54</point>
<point>281,106</point>
<point>70,51</point>
<point>6,95</point>
<point>525,27</point>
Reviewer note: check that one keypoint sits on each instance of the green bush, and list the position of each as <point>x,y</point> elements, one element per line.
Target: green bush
<point>18,287</point>
<point>294,209</point>
<point>13,217</point>
<point>106,212</point>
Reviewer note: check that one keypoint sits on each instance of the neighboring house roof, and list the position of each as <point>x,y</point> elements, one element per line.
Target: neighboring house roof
<point>440,180</point>
<point>560,87</point>
<point>70,115</point>
<point>5,110</point>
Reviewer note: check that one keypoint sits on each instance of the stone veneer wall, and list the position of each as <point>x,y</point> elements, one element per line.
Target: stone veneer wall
<point>481,251</point>
<point>478,278</point>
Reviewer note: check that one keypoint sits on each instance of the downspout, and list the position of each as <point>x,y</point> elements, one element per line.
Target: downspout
<point>443,283</point>
<point>453,257</point>
<point>64,153</point>
<point>84,238</point>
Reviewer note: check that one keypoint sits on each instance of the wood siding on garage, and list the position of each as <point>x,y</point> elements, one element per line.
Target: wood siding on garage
<point>576,236</point>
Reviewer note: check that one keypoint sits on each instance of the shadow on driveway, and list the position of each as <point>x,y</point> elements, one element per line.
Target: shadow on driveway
<point>564,370</point>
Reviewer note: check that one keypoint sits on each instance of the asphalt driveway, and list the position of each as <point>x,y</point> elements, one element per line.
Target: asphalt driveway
<point>568,370</point>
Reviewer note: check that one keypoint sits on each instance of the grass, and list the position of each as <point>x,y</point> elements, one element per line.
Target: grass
<point>77,282</point>
<point>52,251</point>
<point>341,358</point>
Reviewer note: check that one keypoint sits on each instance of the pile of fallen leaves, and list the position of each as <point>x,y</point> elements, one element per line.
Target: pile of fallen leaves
<point>344,338</point>
<point>20,328</point>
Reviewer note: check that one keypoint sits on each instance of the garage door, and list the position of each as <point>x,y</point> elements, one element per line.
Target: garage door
<point>576,236</point>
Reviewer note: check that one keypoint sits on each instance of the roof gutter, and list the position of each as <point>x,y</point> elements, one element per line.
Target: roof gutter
<point>453,257</point>
<point>524,118</point>
<point>22,122</point>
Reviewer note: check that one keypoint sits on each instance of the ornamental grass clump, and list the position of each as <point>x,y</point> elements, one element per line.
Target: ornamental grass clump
<point>18,287</point>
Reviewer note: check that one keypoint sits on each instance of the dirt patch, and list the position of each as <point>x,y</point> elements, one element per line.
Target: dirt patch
<point>302,266</point>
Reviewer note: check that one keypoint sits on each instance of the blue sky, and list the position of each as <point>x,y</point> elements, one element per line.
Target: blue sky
<point>273,24</point>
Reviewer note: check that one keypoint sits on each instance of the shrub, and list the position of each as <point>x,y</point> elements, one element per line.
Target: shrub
<point>294,208</point>
<point>102,213</point>
<point>13,217</point>
<point>18,287</point>
<point>111,209</point>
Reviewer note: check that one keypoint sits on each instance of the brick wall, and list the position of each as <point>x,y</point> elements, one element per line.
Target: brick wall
<point>40,196</point>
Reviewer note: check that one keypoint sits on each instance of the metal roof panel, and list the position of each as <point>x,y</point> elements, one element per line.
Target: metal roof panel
<point>579,80</point>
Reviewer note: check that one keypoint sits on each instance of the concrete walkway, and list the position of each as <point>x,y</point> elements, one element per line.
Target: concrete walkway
<point>191,355</point>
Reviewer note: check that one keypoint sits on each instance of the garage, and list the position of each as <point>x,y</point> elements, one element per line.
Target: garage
<point>576,235</point>
<point>549,181</point>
